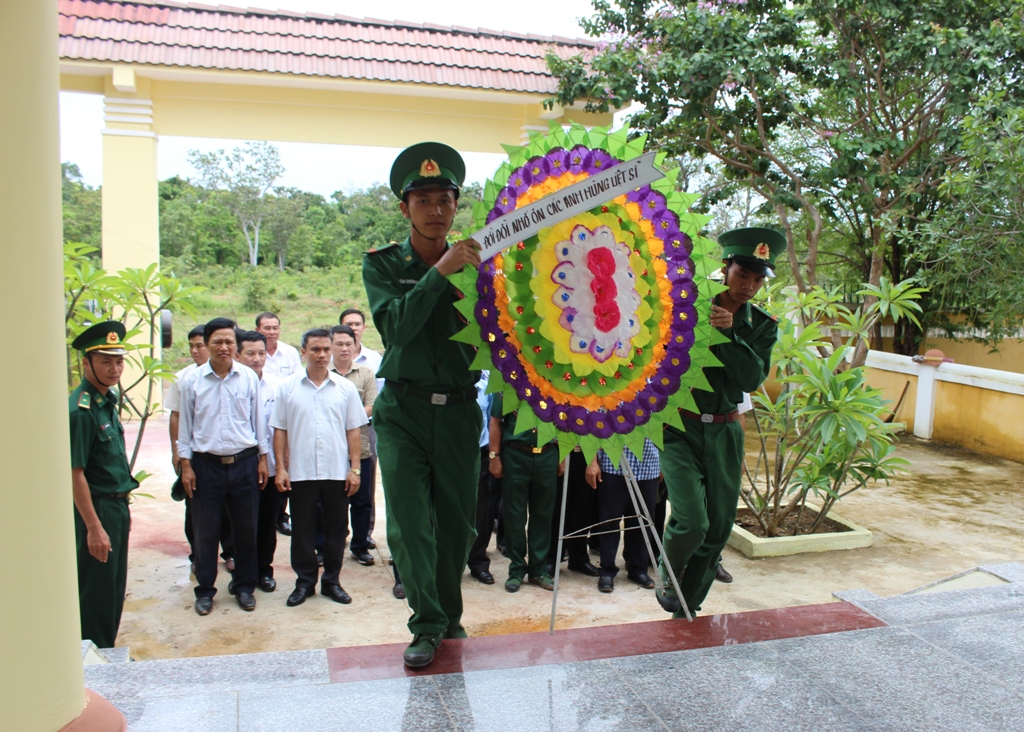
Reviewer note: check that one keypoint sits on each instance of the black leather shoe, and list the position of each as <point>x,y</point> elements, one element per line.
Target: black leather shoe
<point>586,568</point>
<point>642,578</point>
<point>364,558</point>
<point>246,601</point>
<point>204,605</point>
<point>371,544</point>
<point>299,595</point>
<point>268,584</point>
<point>722,575</point>
<point>421,651</point>
<point>398,591</point>
<point>606,584</point>
<point>336,593</point>
<point>284,527</point>
<point>483,576</point>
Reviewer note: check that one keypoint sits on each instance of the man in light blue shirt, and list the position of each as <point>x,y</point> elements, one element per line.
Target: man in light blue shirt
<point>223,444</point>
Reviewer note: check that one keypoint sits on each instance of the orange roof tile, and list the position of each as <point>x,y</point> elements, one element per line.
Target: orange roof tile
<point>191,35</point>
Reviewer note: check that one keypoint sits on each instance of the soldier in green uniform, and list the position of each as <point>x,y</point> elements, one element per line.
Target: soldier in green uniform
<point>427,419</point>
<point>703,465</point>
<point>529,481</point>
<point>101,483</point>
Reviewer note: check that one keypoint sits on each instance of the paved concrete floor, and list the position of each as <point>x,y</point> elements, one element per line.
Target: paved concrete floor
<point>953,511</point>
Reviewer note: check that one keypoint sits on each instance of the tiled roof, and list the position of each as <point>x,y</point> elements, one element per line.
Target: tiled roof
<point>190,35</point>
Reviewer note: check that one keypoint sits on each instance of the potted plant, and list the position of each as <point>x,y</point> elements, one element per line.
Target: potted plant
<point>826,433</point>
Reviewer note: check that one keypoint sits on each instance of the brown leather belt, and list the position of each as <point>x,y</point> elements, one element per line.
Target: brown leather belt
<point>732,416</point>
<point>534,450</point>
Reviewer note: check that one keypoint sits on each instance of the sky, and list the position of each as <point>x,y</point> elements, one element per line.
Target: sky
<point>313,167</point>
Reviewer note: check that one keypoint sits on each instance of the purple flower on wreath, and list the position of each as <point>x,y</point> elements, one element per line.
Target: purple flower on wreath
<point>679,274</point>
<point>544,407</point>
<point>600,424</point>
<point>486,314</point>
<point>622,419</point>
<point>519,181</point>
<point>561,415</point>
<point>640,194</point>
<point>676,350</point>
<point>537,170</point>
<point>648,401</point>
<point>558,160</point>
<point>598,161</point>
<point>665,223</point>
<point>664,383</point>
<point>677,245</point>
<point>506,200</point>
<point>505,357</point>
<point>577,158</point>
<point>578,420</point>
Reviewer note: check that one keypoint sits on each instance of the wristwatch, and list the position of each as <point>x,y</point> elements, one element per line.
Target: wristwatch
<point>357,471</point>
<point>492,454</point>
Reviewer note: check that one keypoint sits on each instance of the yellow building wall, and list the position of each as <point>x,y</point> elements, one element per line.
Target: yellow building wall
<point>892,384</point>
<point>1010,356</point>
<point>982,420</point>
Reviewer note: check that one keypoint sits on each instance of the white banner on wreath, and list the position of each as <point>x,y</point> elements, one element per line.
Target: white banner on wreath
<point>522,223</point>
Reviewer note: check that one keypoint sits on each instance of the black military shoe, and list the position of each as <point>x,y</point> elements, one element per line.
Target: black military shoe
<point>299,595</point>
<point>246,601</point>
<point>722,575</point>
<point>336,593</point>
<point>586,568</point>
<point>204,605</point>
<point>606,584</point>
<point>641,578</point>
<point>421,651</point>
<point>483,576</point>
<point>268,584</point>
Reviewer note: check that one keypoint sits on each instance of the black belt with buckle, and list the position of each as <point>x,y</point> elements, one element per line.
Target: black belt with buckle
<point>229,459</point>
<point>439,400</point>
<point>732,416</point>
<point>534,450</point>
<point>112,495</point>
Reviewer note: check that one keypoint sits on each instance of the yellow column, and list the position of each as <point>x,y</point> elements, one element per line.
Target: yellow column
<point>40,665</point>
<point>131,215</point>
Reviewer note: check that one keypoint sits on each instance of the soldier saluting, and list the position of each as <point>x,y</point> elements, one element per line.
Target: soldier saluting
<point>101,481</point>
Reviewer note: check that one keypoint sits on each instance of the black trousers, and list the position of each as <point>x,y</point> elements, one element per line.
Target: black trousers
<point>190,534</point>
<point>361,505</point>
<point>580,511</point>
<point>234,490</point>
<point>304,497</point>
<point>266,528</point>
<point>478,559</point>
<point>613,503</point>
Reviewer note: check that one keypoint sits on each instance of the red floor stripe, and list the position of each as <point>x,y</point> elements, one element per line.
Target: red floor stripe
<point>367,663</point>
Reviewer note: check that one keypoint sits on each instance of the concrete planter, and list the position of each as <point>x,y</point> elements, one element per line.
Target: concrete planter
<point>754,547</point>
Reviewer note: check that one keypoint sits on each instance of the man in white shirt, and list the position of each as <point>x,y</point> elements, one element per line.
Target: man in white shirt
<point>316,421</point>
<point>282,359</point>
<point>200,355</point>
<point>223,445</point>
<point>252,352</point>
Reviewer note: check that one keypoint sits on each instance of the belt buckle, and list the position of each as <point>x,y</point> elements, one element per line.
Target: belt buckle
<point>537,450</point>
<point>439,399</point>
<point>227,460</point>
<point>707,418</point>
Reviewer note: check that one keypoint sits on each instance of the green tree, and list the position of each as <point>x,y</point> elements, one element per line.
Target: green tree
<point>196,225</point>
<point>843,116</point>
<point>246,176</point>
<point>82,206</point>
<point>972,248</point>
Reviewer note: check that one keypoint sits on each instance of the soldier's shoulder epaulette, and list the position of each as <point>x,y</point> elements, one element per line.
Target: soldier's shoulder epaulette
<point>764,313</point>
<point>377,250</point>
<point>84,400</point>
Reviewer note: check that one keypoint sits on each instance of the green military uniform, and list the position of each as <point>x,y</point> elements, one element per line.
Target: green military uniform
<point>97,446</point>
<point>703,465</point>
<point>427,421</point>
<point>529,482</point>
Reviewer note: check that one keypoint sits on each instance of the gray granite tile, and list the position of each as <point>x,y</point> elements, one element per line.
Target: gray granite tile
<point>993,644</point>
<point>576,696</point>
<point>1011,571</point>
<point>402,705</point>
<point>115,655</point>
<point>195,712</point>
<point>180,676</point>
<point>893,680</point>
<point>928,607</point>
<point>747,687</point>
<point>855,597</point>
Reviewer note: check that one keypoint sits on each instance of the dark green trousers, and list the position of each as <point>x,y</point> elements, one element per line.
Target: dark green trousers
<point>702,469</point>
<point>101,585</point>
<point>528,485</point>
<point>429,457</point>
